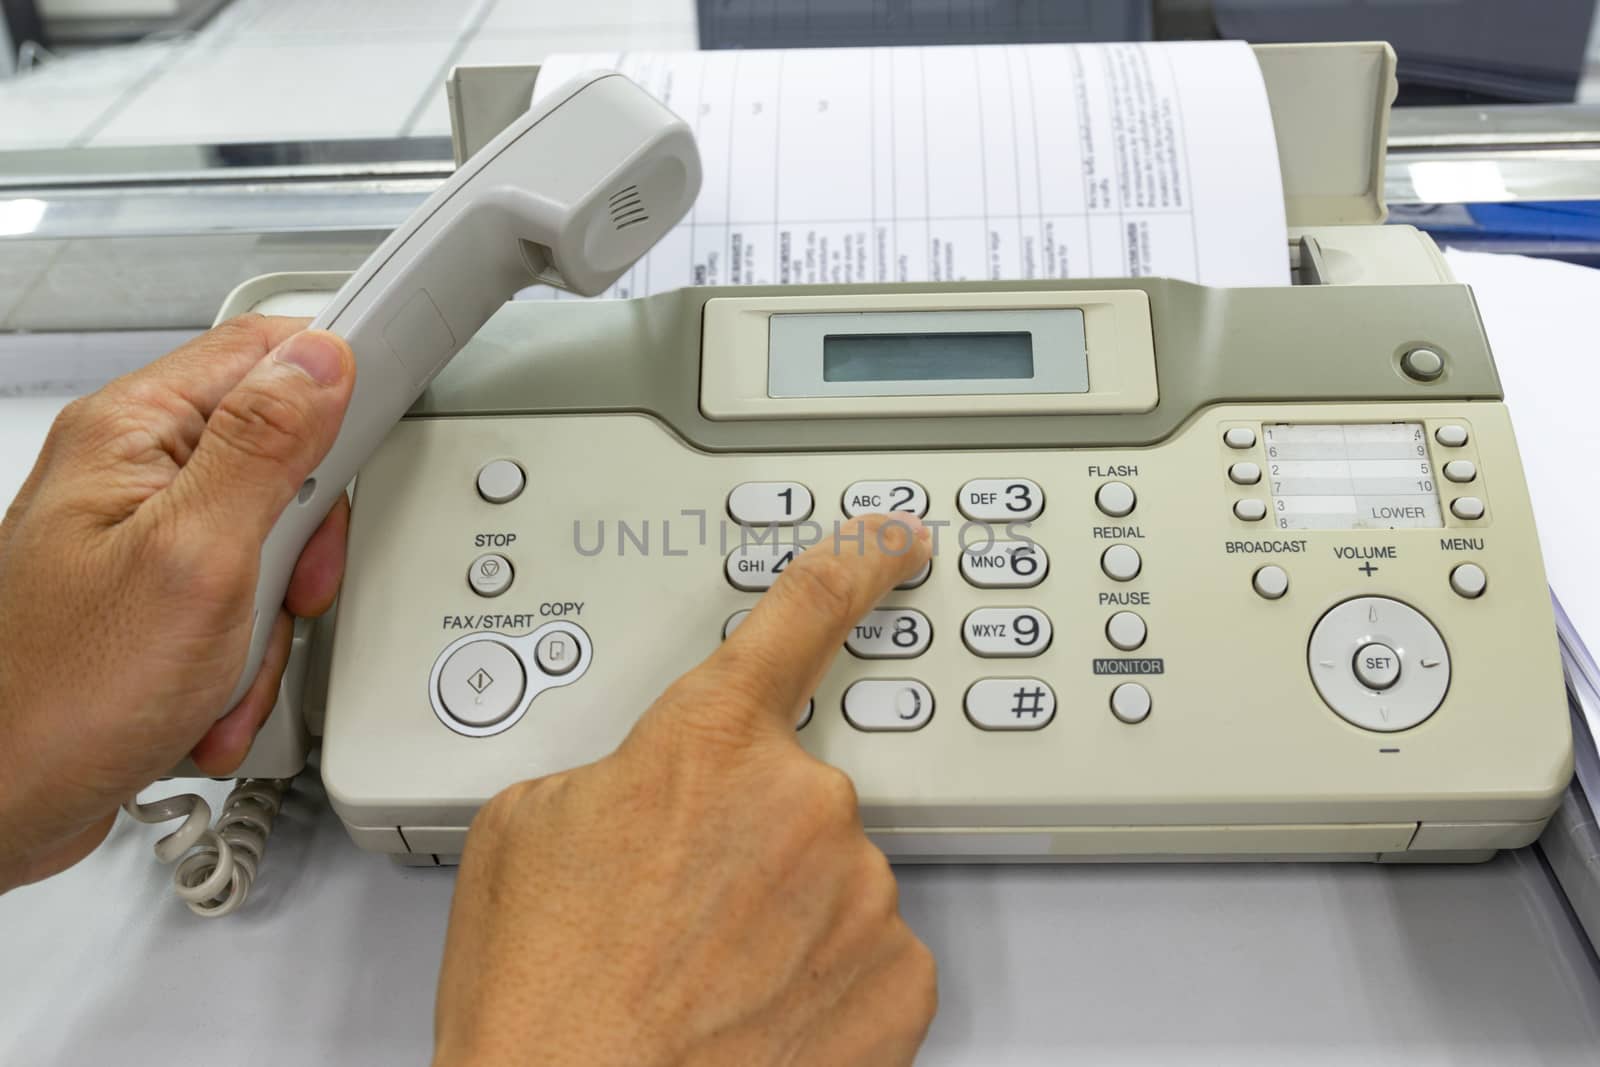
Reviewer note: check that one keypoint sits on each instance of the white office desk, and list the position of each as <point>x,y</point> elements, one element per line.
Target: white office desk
<point>334,961</point>
<point>334,958</point>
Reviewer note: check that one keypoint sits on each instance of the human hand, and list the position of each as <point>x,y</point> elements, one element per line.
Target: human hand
<point>706,893</point>
<point>127,572</point>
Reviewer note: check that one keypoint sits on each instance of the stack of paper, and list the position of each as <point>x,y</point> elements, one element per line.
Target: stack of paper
<point>1539,318</point>
<point>967,163</point>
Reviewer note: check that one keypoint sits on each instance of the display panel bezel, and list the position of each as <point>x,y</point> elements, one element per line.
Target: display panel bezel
<point>797,345</point>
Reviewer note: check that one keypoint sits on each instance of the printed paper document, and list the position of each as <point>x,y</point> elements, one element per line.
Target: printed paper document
<point>967,163</point>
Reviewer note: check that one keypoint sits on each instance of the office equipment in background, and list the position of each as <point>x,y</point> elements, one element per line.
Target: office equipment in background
<point>1451,51</point>
<point>100,22</point>
<point>749,24</point>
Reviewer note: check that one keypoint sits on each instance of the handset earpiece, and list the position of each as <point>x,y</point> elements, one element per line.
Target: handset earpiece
<point>572,194</point>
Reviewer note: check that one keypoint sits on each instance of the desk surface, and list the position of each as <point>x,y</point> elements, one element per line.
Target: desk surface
<point>334,960</point>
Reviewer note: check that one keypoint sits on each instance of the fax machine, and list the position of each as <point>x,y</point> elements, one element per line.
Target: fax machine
<point>1247,573</point>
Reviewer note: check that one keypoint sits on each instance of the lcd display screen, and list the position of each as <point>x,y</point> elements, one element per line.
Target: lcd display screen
<point>926,357</point>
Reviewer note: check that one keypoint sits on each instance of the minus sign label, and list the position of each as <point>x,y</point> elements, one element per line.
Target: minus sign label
<point>1388,750</point>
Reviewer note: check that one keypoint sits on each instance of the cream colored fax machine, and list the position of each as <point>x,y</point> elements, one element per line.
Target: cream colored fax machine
<point>1242,573</point>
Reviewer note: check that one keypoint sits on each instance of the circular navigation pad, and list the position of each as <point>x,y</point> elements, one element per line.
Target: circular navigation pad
<point>1379,663</point>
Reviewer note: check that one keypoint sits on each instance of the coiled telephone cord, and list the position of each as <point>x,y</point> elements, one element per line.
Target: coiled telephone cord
<point>216,865</point>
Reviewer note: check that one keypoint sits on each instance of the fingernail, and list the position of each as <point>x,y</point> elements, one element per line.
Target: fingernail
<point>317,354</point>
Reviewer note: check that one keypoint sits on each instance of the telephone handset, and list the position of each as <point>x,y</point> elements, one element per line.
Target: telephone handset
<point>570,195</point>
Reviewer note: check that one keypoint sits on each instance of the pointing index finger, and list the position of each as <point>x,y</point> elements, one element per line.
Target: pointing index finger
<point>786,645</point>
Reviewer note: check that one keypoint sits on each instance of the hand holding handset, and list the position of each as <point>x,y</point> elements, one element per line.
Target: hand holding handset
<point>572,194</point>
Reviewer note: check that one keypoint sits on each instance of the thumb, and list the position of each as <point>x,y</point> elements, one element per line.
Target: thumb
<point>269,432</point>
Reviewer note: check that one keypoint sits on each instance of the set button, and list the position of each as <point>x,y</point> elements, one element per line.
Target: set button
<point>1116,499</point>
<point>1010,704</point>
<point>1006,632</point>
<point>1121,563</point>
<point>888,704</point>
<point>1000,500</point>
<point>890,633</point>
<point>1451,436</point>
<point>769,503</point>
<point>1250,509</point>
<point>1005,565</point>
<point>866,498</point>
<point>1460,470</point>
<point>1239,437</point>
<point>1244,473</point>
<point>1377,666</point>
<point>1467,507</point>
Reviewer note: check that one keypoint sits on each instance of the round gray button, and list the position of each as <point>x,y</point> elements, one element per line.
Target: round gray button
<point>1422,364</point>
<point>1271,581</point>
<point>501,481</point>
<point>1130,702</point>
<point>557,653</point>
<point>1239,437</point>
<point>1468,580</point>
<point>1126,630</point>
<point>481,683</point>
<point>1377,666</point>
<point>1115,499</point>
<point>1467,507</point>
<point>490,574</point>
<point>1451,436</point>
<point>1250,510</point>
<point>1121,563</point>
<point>1460,470</point>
